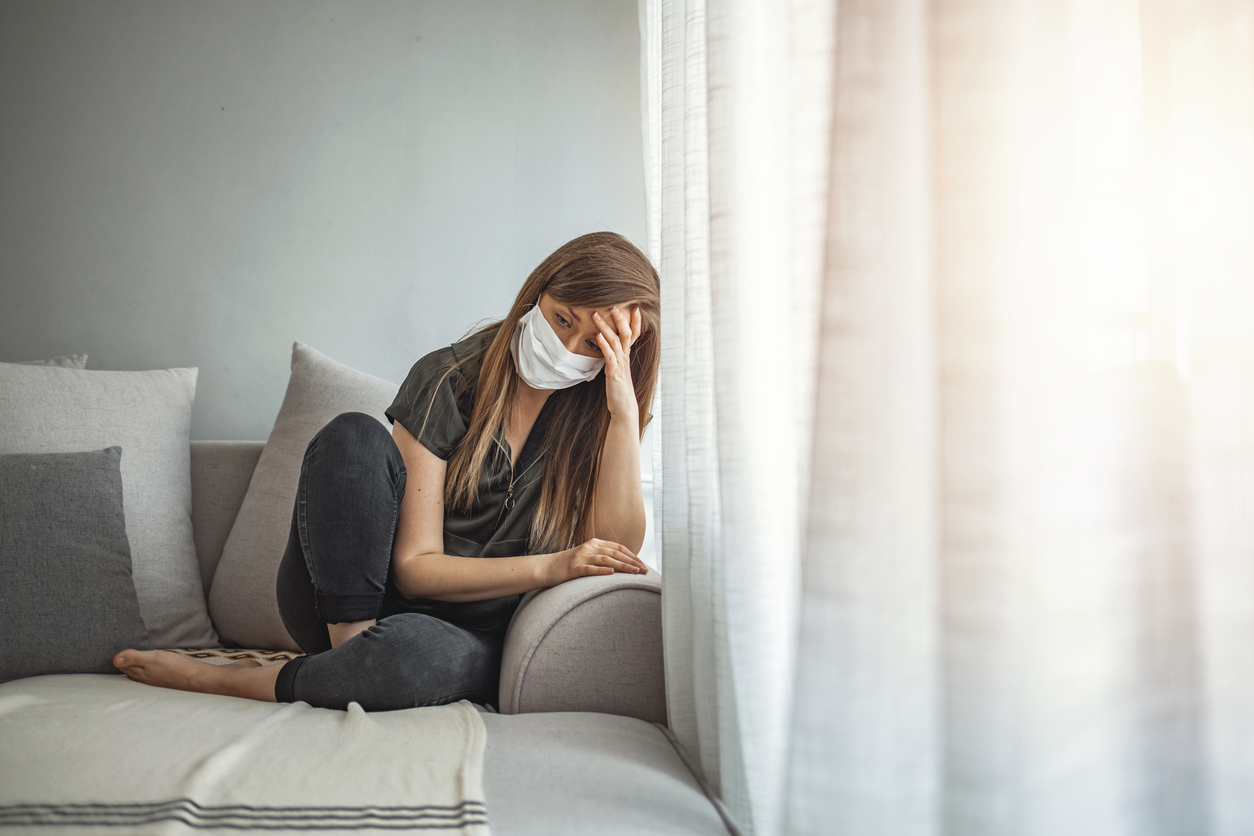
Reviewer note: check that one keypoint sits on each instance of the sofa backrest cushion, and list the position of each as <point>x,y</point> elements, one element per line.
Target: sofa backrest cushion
<point>242,598</point>
<point>221,471</point>
<point>49,409</point>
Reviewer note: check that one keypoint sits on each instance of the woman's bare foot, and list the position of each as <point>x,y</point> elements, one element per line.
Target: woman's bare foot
<point>244,678</point>
<point>163,668</point>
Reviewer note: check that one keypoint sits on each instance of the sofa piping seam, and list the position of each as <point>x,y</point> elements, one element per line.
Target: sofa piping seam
<point>699,776</point>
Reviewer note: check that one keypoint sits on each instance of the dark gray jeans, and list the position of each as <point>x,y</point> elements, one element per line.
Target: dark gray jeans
<point>337,567</point>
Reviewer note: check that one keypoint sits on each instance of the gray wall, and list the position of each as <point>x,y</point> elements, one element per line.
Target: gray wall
<point>203,183</point>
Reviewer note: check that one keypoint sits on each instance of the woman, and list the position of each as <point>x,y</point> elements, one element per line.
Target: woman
<point>520,443</point>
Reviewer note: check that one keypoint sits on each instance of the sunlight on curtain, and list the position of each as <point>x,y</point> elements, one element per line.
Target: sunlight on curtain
<point>1027,591</point>
<point>1209,52</point>
<point>1024,595</point>
<point>739,150</point>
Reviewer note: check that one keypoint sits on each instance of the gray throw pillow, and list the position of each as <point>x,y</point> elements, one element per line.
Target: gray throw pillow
<point>67,601</point>
<point>69,361</point>
<point>44,409</point>
<point>242,599</point>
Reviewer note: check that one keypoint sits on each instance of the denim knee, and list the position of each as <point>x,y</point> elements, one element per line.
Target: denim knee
<point>352,440</point>
<point>405,660</point>
<point>356,432</point>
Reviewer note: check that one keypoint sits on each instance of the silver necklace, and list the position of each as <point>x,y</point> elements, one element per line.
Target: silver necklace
<point>509,498</point>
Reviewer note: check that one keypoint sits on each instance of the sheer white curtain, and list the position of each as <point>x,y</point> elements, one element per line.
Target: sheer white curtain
<point>738,145</point>
<point>956,485</point>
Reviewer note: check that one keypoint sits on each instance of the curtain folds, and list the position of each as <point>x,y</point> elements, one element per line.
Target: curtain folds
<point>956,478</point>
<point>738,141</point>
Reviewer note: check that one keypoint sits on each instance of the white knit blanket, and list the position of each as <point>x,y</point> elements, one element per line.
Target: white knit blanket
<point>94,753</point>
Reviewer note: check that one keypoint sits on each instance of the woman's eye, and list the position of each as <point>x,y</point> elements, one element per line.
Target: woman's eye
<point>592,345</point>
<point>564,323</point>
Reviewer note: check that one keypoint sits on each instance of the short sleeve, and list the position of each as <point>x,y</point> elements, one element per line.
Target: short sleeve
<point>427,404</point>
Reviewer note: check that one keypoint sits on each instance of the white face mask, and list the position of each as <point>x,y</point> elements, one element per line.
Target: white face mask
<point>541,359</point>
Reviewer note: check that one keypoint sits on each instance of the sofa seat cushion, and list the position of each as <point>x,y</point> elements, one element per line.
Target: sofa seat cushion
<point>552,774</point>
<point>581,772</point>
<point>147,758</point>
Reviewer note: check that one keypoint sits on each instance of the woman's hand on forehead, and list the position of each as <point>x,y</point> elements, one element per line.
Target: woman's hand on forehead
<point>617,334</point>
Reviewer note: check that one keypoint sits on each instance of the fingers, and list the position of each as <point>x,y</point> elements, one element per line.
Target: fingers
<point>612,565</point>
<point>623,566</point>
<point>611,359</point>
<point>629,327</point>
<point>623,323</point>
<point>612,351</point>
<point>617,556</point>
<point>609,567</point>
<point>629,324</point>
<point>620,552</point>
<point>607,335</point>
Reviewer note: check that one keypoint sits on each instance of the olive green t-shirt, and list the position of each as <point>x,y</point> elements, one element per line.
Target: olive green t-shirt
<point>499,523</point>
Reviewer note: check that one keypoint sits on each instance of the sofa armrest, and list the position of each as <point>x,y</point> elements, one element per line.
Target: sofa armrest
<point>590,644</point>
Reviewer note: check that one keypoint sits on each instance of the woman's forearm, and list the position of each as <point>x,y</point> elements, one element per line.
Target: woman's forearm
<point>620,518</point>
<point>448,577</point>
<point>619,500</point>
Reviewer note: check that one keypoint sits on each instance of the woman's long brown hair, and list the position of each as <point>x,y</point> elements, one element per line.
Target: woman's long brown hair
<point>594,271</point>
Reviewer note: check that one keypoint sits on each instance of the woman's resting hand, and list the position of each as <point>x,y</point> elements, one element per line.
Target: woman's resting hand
<point>595,557</point>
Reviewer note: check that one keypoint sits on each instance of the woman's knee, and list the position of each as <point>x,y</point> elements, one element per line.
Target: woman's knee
<point>355,438</point>
<point>439,661</point>
<point>404,661</point>
<point>354,431</point>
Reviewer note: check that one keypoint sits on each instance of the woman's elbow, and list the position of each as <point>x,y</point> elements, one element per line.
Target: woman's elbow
<point>630,536</point>
<point>412,576</point>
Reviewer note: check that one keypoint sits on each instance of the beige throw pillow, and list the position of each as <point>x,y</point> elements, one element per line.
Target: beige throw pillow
<point>242,599</point>
<point>51,409</point>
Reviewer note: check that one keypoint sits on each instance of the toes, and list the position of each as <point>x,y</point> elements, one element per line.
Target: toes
<point>130,656</point>
<point>129,662</point>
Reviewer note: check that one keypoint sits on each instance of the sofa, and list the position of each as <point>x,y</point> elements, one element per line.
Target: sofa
<point>577,743</point>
